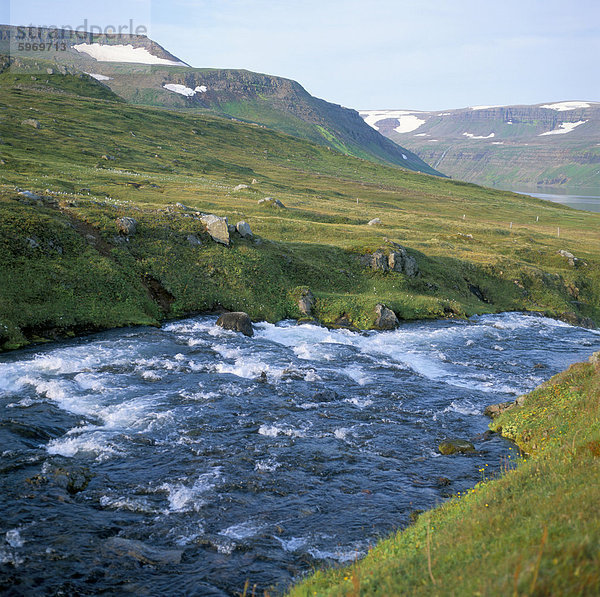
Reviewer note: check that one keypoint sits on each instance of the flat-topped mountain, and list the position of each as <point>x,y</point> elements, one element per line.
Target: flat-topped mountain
<point>143,72</point>
<point>554,144</point>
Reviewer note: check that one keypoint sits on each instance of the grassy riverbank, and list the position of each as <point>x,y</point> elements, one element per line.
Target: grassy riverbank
<point>92,158</point>
<point>533,531</point>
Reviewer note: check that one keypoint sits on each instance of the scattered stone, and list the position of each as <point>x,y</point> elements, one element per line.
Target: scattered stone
<point>238,321</point>
<point>270,202</point>
<point>232,229</point>
<point>193,240</point>
<point>146,554</point>
<point>306,303</point>
<point>374,222</point>
<point>595,360</point>
<point>32,242</point>
<point>240,187</point>
<point>539,366</point>
<point>573,261</point>
<point>126,226</point>
<point>107,157</point>
<point>32,122</point>
<point>182,206</point>
<point>456,446</point>
<point>50,71</point>
<point>30,195</point>
<point>254,181</point>
<point>243,229</point>
<point>385,318</point>
<point>217,228</point>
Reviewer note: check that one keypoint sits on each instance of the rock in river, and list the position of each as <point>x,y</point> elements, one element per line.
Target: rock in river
<point>146,554</point>
<point>237,321</point>
<point>385,318</point>
<point>455,446</point>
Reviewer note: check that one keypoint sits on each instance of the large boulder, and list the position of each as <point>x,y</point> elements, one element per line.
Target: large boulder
<point>374,222</point>
<point>240,187</point>
<point>456,446</point>
<point>126,226</point>
<point>385,318</point>
<point>217,228</point>
<point>306,303</point>
<point>243,229</point>
<point>238,321</point>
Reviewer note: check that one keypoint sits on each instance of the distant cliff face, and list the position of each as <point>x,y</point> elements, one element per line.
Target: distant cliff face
<point>142,72</point>
<point>552,145</point>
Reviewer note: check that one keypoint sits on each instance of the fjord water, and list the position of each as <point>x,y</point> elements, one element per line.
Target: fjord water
<point>246,458</point>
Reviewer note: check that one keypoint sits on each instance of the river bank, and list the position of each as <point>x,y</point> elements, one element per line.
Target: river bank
<point>532,530</point>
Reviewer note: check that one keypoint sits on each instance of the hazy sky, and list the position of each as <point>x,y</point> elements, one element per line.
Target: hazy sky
<point>417,54</point>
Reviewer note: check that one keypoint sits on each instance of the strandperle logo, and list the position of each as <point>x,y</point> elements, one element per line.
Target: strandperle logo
<point>68,32</point>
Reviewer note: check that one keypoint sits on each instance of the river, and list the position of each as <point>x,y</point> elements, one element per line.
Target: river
<point>213,458</point>
<point>581,202</point>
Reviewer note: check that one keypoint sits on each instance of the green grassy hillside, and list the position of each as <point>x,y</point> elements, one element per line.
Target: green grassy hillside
<point>533,531</point>
<point>90,159</point>
<point>276,102</point>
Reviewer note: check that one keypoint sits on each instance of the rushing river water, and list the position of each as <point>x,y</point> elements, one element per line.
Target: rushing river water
<point>213,458</point>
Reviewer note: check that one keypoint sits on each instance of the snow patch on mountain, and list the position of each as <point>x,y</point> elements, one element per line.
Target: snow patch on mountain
<point>563,128</point>
<point>183,90</point>
<point>472,136</point>
<point>564,106</point>
<point>123,53</point>
<point>99,77</point>
<point>372,117</point>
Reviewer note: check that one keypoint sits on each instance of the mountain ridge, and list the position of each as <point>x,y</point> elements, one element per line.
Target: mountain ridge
<point>547,145</point>
<point>143,72</point>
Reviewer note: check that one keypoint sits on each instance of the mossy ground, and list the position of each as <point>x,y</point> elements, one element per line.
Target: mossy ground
<point>533,531</point>
<point>102,159</point>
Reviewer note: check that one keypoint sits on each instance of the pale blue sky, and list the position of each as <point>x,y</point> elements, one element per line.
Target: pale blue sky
<point>418,54</point>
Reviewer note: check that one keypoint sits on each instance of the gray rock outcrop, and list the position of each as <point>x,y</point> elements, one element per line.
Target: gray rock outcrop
<point>377,261</point>
<point>217,228</point>
<point>240,187</point>
<point>374,222</point>
<point>126,226</point>
<point>400,261</point>
<point>237,321</point>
